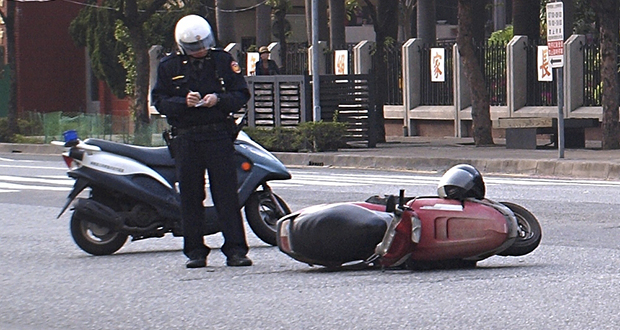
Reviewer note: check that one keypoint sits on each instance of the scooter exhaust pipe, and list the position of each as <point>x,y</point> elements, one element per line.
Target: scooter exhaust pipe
<point>98,213</point>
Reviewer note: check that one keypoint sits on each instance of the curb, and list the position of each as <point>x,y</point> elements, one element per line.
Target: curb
<point>556,168</point>
<point>524,167</point>
<point>25,148</point>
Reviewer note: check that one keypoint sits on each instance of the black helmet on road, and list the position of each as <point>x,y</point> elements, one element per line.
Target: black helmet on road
<point>460,182</point>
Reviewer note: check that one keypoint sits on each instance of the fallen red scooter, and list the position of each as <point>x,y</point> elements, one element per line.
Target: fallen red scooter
<point>458,228</point>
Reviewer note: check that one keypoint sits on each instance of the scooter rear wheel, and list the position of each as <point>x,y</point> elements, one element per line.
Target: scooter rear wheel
<point>94,239</point>
<point>531,229</point>
<point>262,215</point>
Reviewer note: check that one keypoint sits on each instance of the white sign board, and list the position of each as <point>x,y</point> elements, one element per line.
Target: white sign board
<point>250,64</point>
<point>341,60</point>
<point>542,64</point>
<point>555,33</point>
<point>438,56</point>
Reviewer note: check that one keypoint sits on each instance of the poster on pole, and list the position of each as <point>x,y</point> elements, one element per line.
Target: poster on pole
<point>555,33</point>
<point>250,64</point>
<point>438,65</point>
<point>341,60</point>
<point>542,64</point>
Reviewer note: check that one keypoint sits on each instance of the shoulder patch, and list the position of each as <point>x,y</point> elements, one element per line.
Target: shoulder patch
<point>235,67</point>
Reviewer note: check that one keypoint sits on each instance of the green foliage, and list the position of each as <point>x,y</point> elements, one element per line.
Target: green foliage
<point>502,36</point>
<point>284,5</point>
<point>26,126</point>
<point>275,139</point>
<point>314,136</point>
<point>107,39</point>
<point>326,136</point>
<point>94,28</point>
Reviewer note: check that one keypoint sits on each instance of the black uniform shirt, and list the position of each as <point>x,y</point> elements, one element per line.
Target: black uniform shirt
<point>176,76</point>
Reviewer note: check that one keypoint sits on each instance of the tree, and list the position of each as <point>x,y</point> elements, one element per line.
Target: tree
<point>608,15</point>
<point>263,25</point>
<point>225,18</point>
<point>480,110</point>
<point>337,17</point>
<point>323,28</point>
<point>426,21</point>
<point>9,23</point>
<point>408,8</point>
<point>386,31</point>
<point>118,36</point>
<point>526,18</point>
<point>279,9</point>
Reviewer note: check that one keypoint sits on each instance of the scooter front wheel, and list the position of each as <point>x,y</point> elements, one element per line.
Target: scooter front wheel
<point>262,214</point>
<point>94,239</point>
<point>530,227</point>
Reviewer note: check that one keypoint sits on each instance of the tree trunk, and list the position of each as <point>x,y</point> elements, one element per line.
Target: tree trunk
<point>142,116</point>
<point>279,14</point>
<point>426,21</point>
<point>480,111</point>
<point>323,28</point>
<point>526,19</point>
<point>386,26</point>
<point>337,16</point>
<point>225,18</point>
<point>263,25</point>
<point>607,12</point>
<point>408,19</point>
<point>210,16</point>
<point>9,21</point>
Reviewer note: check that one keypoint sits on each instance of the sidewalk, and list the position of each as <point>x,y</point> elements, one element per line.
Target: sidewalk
<point>436,155</point>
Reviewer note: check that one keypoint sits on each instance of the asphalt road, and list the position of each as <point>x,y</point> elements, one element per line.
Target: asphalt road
<point>569,282</point>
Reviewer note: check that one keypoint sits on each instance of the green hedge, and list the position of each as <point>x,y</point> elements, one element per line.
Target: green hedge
<point>308,136</point>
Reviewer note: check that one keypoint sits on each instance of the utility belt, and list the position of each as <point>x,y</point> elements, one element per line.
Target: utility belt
<point>207,128</point>
<point>170,135</point>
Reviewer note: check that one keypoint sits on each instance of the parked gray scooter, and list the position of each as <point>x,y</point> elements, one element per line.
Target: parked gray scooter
<point>133,192</point>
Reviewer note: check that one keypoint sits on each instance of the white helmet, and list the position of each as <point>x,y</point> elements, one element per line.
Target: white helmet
<point>193,34</point>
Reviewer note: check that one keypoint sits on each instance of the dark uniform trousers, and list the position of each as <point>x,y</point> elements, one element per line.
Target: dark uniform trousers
<point>213,152</point>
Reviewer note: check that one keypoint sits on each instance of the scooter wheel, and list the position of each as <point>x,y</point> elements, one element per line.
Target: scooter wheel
<point>531,229</point>
<point>262,215</point>
<point>94,239</point>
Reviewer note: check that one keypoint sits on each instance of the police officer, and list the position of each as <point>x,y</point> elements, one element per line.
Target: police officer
<point>197,89</point>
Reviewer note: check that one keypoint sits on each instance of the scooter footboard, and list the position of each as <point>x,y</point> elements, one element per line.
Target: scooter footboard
<point>331,235</point>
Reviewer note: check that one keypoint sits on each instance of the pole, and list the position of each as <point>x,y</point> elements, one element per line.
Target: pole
<point>560,76</point>
<point>316,104</point>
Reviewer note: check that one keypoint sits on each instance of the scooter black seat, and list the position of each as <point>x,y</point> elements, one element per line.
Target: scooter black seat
<point>337,233</point>
<point>151,156</point>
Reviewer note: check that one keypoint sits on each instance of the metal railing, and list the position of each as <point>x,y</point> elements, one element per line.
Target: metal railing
<point>436,93</point>
<point>539,93</point>
<point>492,59</point>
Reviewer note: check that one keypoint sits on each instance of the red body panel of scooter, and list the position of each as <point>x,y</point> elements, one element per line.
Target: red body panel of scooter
<point>451,229</point>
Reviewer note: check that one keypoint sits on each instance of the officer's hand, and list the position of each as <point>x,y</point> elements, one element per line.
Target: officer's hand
<point>192,99</point>
<point>210,100</point>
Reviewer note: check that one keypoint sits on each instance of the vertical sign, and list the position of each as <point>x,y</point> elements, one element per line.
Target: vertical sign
<point>252,58</point>
<point>555,33</point>
<point>543,66</point>
<point>341,60</point>
<point>438,65</point>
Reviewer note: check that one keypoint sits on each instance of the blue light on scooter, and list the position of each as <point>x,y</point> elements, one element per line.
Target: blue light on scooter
<point>71,138</point>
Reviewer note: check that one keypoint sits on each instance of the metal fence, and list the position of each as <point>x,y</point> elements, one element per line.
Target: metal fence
<point>436,93</point>
<point>592,86</point>
<point>539,93</point>
<point>394,73</point>
<point>284,100</point>
<point>492,59</point>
